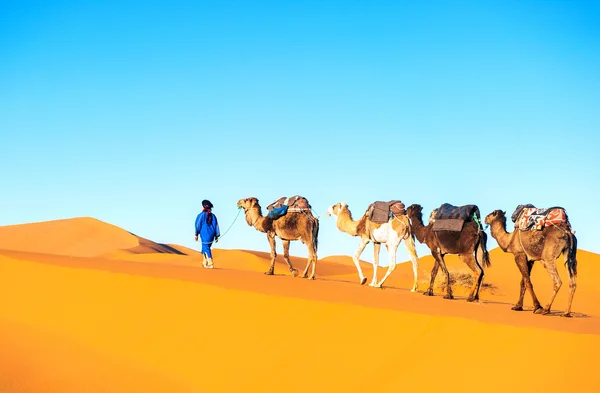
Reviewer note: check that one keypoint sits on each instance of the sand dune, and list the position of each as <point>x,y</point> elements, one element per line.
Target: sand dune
<point>82,237</point>
<point>131,315</point>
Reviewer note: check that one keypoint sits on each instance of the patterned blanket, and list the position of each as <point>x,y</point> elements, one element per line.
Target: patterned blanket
<point>452,218</point>
<point>532,218</point>
<point>380,212</point>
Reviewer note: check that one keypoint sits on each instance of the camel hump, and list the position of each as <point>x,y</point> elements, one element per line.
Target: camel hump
<point>379,212</point>
<point>533,218</point>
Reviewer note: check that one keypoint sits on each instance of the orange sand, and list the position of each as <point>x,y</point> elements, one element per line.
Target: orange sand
<point>89,307</point>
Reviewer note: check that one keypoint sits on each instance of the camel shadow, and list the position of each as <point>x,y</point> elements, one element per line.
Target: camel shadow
<point>508,305</point>
<point>529,310</point>
<point>560,314</point>
<point>355,282</point>
<point>334,280</point>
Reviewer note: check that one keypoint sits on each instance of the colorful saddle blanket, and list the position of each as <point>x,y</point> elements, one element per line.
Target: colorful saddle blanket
<point>452,218</point>
<point>380,212</point>
<point>284,205</point>
<point>531,218</point>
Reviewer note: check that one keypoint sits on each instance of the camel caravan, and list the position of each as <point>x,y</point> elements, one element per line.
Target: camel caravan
<point>540,234</point>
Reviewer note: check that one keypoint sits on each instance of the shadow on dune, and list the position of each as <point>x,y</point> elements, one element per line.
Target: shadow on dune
<point>324,269</point>
<point>148,246</point>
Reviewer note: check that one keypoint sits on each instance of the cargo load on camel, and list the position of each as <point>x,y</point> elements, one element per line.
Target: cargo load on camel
<point>452,218</point>
<point>529,218</point>
<point>380,212</point>
<point>284,205</point>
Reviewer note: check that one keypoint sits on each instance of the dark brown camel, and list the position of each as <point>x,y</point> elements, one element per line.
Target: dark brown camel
<point>469,244</point>
<point>544,245</point>
<point>295,225</point>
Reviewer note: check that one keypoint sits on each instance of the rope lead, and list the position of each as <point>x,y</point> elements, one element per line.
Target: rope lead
<point>224,233</point>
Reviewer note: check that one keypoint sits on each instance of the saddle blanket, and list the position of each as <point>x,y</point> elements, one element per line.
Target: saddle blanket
<point>380,212</point>
<point>452,218</point>
<point>448,224</point>
<point>531,218</point>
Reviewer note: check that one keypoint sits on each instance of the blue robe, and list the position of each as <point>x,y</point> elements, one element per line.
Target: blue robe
<point>207,232</point>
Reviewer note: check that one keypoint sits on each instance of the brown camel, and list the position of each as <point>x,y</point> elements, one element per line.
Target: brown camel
<point>391,233</point>
<point>295,225</point>
<point>544,245</point>
<point>469,244</point>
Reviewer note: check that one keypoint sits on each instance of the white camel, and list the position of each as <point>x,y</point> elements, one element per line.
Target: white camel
<point>391,233</point>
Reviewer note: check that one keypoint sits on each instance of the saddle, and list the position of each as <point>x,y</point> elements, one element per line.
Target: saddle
<point>529,218</point>
<point>452,218</point>
<point>284,205</point>
<point>380,212</point>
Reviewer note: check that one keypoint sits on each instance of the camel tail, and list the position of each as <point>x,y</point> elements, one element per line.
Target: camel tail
<point>315,233</point>
<point>571,255</point>
<point>483,246</point>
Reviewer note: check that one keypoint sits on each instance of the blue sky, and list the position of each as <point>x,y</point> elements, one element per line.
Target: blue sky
<point>133,112</point>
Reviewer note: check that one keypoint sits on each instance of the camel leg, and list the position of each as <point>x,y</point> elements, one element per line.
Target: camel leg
<point>361,246</point>
<point>572,288</point>
<point>442,263</point>
<point>525,267</point>
<point>471,262</point>
<point>519,305</point>
<point>391,248</point>
<point>376,249</point>
<point>273,255</point>
<point>286,257</point>
<point>308,263</point>
<point>311,260</point>
<point>312,257</point>
<point>412,251</point>
<point>449,294</point>
<point>551,268</point>
<point>434,271</point>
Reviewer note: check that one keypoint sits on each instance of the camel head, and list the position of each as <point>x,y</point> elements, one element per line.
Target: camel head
<point>415,210</point>
<point>248,203</point>
<point>337,208</point>
<point>494,216</point>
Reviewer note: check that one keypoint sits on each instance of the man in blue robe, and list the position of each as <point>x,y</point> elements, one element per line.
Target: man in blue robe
<point>208,229</point>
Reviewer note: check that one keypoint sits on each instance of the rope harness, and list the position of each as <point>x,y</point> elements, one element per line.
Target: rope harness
<point>224,233</point>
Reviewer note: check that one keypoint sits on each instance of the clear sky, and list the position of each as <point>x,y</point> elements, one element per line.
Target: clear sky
<point>133,112</point>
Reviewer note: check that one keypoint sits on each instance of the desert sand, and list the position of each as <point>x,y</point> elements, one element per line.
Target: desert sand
<point>89,307</point>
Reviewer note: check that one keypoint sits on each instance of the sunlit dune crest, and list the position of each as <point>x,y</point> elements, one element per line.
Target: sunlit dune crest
<point>82,237</point>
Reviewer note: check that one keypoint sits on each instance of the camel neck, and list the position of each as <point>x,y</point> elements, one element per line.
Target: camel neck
<point>254,217</point>
<point>345,223</point>
<point>498,231</point>
<point>418,227</point>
